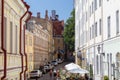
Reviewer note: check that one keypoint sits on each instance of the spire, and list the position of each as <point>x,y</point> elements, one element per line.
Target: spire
<point>46,15</point>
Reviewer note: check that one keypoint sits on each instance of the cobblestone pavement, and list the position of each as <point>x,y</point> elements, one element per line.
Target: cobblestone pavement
<point>47,77</point>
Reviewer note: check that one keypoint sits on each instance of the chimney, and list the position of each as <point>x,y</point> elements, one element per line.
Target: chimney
<point>53,14</point>
<point>56,17</point>
<point>46,14</point>
<point>38,14</point>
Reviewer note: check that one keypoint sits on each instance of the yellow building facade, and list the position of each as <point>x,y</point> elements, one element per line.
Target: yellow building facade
<point>29,50</point>
<point>12,19</point>
<point>58,28</point>
<point>40,44</point>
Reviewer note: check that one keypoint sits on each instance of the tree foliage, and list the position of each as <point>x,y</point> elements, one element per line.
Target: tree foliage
<point>69,31</point>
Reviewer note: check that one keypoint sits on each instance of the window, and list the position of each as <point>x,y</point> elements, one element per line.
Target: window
<point>30,41</point>
<point>5,31</point>
<point>108,24</point>
<point>108,63</point>
<point>25,39</point>
<point>11,38</point>
<point>90,10</point>
<point>16,45</point>
<point>96,29</point>
<point>100,2</point>
<point>58,40</point>
<point>100,27</point>
<point>86,16</point>
<point>97,62</point>
<point>117,21</point>
<point>95,4</point>
<point>92,7</point>
<point>92,31</point>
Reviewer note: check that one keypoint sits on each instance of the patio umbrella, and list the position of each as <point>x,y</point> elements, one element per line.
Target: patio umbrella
<point>78,70</point>
<point>71,66</point>
<point>74,68</point>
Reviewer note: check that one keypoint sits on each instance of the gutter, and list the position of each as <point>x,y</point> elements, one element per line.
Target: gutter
<point>3,41</point>
<point>24,49</point>
<point>20,39</point>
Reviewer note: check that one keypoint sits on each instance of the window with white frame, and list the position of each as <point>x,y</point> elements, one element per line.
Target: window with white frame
<point>108,26</point>
<point>111,64</point>
<point>92,7</point>
<point>96,29</point>
<point>100,2</point>
<point>100,26</point>
<point>97,63</point>
<point>86,16</point>
<point>92,31</point>
<point>108,62</point>
<point>16,44</point>
<point>11,38</point>
<point>117,21</point>
<point>95,1</point>
<point>90,10</point>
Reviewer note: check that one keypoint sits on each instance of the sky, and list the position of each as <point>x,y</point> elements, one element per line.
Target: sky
<point>63,7</point>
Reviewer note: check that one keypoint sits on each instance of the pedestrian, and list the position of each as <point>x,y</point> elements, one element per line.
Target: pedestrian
<point>58,73</point>
<point>86,77</point>
<point>54,72</point>
<point>91,79</point>
<point>55,77</point>
<point>50,73</point>
<point>114,79</point>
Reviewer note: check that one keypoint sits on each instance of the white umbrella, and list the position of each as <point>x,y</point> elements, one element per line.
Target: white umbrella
<point>71,66</point>
<point>78,70</point>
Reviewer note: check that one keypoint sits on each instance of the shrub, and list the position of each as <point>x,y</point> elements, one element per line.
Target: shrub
<point>106,78</point>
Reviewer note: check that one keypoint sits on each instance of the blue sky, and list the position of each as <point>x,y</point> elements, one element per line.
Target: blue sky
<point>63,7</point>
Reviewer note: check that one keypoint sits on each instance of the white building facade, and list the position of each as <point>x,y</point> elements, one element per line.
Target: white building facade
<point>97,35</point>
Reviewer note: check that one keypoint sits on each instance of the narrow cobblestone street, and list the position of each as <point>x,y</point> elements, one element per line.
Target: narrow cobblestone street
<point>47,77</point>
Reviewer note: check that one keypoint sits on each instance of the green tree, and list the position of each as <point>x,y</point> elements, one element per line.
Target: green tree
<point>69,32</point>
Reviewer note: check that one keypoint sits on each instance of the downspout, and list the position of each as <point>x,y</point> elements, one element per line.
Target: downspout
<point>24,48</point>
<point>20,39</point>
<point>2,42</point>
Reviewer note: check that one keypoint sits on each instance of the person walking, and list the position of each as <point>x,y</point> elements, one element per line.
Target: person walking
<point>86,77</point>
<point>50,73</point>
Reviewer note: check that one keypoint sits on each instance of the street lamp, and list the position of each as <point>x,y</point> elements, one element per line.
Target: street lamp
<point>101,59</point>
<point>79,55</point>
<point>98,48</point>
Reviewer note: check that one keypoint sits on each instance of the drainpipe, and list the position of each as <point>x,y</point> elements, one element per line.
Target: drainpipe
<point>20,39</point>
<point>2,42</point>
<point>24,48</point>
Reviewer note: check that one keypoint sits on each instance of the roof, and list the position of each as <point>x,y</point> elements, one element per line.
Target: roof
<point>42,21</point>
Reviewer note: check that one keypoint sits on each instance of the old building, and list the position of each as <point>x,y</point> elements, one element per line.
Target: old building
<point>97,32</point>
<point>12,55</point>
<point>29,49</point>
<point>43,41</point>
<point>58,28</point>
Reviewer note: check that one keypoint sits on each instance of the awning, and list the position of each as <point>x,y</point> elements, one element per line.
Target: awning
<point>61,51</point>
